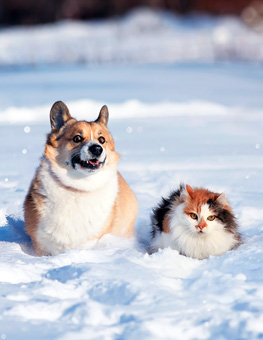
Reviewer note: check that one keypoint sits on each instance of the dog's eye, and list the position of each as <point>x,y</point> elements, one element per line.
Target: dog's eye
<point>193,216</point>
<point>78,139</point>
<point>101,140</point>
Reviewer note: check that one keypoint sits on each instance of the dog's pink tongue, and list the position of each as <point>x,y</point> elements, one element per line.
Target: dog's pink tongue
<point>94,162</point>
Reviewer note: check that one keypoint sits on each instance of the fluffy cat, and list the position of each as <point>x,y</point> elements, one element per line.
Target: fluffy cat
<point>196,222</point>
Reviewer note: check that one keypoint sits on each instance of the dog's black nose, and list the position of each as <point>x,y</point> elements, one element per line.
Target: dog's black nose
<point>96,149</point>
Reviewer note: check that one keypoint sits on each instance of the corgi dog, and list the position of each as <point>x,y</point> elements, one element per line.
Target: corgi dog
<point>77,194</point>
<point>196,222</point>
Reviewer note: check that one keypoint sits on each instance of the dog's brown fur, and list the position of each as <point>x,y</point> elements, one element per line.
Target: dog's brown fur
<point>53,181</point>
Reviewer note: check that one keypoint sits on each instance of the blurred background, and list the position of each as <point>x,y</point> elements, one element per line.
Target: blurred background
<point>129,31</point>
<point>115,51</point>
<point>31,12</point>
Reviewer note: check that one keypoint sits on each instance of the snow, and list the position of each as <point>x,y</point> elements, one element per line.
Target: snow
<point>195,123</point>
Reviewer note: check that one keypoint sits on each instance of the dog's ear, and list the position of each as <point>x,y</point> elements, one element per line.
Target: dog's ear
<point>59,115</point>
<point>103,116</point>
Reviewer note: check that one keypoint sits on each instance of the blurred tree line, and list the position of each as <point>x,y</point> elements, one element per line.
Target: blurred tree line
<point>30,12</point>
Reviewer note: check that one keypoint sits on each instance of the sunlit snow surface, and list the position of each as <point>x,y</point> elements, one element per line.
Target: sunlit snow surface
<point>195,123</point>
<point>117,291</point>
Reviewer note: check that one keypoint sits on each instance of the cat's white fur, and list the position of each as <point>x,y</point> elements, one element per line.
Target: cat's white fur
<point>184,236</point>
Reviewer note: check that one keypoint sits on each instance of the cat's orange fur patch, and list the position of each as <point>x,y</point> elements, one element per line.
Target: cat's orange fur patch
<point>166,224</point>
<point>166,221</point>
<point>197,198</point>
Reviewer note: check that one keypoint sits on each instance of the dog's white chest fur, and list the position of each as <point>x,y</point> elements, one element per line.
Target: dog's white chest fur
<point>69,219</point>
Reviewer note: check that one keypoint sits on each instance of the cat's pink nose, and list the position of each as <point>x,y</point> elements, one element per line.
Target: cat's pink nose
<point>201,226</point>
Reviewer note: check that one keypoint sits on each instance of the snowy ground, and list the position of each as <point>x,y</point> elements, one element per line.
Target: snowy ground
<point>200,124</point>
<point>117,291</point>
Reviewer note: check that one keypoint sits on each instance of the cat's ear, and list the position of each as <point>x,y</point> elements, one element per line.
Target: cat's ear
<point>189,190</point>
<point>223,200</point>
<point>59,115</point>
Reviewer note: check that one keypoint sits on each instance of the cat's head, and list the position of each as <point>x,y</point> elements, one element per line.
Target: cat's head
<point>205,212</point>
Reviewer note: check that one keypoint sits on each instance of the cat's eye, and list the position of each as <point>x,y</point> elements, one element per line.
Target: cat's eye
<point>101,140</point>
<point>211,218</point>
<point>193,216</point>
<point>77,139</point>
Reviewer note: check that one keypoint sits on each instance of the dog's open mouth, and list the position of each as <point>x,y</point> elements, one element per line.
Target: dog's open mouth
<point>91,164</point>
